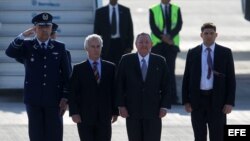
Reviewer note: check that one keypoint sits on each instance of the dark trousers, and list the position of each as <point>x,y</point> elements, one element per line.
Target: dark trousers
<point>98,132</point>
<point>114,52</point>
<point>144,129</point>
<point>170,54</point>
<point>45,123</point>
<point>207,117</point>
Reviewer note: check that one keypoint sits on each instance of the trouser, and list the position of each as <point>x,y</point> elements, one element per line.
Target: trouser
<point>45,123</point>
<point>205,117</point>
<point>144,129</point>
<point>96,132</point>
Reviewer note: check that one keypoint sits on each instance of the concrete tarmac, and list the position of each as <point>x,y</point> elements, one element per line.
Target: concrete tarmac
<point>233,32</point>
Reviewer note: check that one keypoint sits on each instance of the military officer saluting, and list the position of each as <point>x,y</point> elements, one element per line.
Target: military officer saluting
<point>43,59</point>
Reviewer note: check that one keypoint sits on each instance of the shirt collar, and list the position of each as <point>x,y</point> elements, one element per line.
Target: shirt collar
<point>204,47</point>
<point>145,57</point>
<point>92,61</point>
<point>111,7</point>
<point>46,42</point>
<point>163,5</point>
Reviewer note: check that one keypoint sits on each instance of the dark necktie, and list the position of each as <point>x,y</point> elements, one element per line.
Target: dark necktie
<point>167,19</point>
<point>209,63</point>
<point>43,46</point>
<point>96,73</point>
<point>144,68</point>
<point>113,22</point>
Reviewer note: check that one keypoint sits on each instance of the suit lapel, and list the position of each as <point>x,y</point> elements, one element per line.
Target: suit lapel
<point>137,66</point>
<point>91,72</point>
<point>103,71</point>
<point>197,60</point>
<point>216,57</point>
<point>106,16</point>
<point>150,67</point>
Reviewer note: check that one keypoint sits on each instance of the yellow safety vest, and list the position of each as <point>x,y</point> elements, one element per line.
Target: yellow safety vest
<point>157,11</point>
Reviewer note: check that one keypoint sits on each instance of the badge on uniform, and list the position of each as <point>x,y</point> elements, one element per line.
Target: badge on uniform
<point>55,53</point>
<point>32,59</point>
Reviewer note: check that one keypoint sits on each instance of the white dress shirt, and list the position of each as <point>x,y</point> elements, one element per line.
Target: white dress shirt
<point>206,84</point>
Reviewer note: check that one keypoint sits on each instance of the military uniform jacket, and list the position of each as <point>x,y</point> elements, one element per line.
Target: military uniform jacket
<point>44,70</point>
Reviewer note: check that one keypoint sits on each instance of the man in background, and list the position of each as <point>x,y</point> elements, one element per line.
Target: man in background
<point>114,24</point>
<point>166,23</point>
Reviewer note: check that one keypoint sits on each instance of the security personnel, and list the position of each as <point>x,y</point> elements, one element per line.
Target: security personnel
<point>53,35</point>
<point>165,24</point>
<point>43,60</point>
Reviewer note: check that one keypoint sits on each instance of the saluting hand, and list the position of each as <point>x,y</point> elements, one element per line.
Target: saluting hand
<point>29,32</point>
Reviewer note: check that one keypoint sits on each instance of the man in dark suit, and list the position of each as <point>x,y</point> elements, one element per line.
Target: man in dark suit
<point>166,23</point>
<point>44,94</point>
<point>143,91</point>
<point>208,89</point>
<point>114,23</point>
<point>91,102</point>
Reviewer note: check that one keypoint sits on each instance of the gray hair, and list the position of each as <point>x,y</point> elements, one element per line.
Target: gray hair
<point>143,34</point>
<point>91,37</point>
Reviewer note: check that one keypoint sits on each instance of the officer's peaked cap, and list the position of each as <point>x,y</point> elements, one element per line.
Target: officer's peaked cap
<point>42,19</point>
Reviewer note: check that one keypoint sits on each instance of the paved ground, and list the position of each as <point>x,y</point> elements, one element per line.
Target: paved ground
<point>233,32</point>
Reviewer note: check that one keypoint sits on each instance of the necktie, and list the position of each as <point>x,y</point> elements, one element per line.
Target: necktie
<point>43,46</point>
<point>209,63</point>
<point>96,73</point>
<point>166,10</point>
<point>144,68</point>
<point>167,19</point>
<point>113,22</point>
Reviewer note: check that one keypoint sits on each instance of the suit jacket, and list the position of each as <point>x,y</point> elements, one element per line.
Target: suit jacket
<point>102,27</point>
<point>92,101</point>
<point>224,82</point>
<point>143,99</point>
<point>44,71</point>
<point>171,32</point>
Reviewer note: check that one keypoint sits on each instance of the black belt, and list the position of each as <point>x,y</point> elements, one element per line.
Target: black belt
<point>206,92</point>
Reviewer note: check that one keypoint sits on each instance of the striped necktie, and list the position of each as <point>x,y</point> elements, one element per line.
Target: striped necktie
<point>96,73</point>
